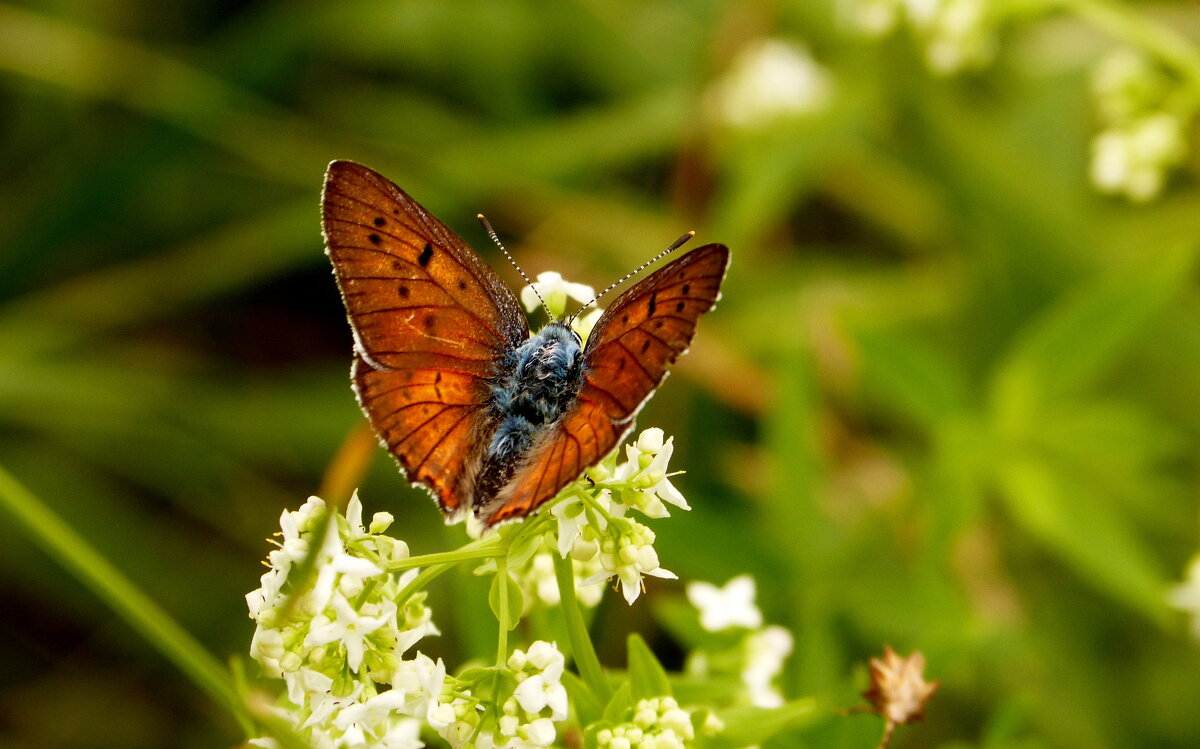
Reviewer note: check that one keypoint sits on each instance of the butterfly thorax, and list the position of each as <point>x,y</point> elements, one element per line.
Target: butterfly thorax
<point>538,381</point>
<point>534,385</point>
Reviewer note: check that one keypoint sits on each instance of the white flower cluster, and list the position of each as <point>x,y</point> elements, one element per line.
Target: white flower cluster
<point>339,644</point>
<point>350,614</point>
<point>658,723</point>
<point>770,81</point>
<point>527,714</point>
<point>761,652</point>
<point>336,641</point>
<point>956,34</point>
<point>593,521</point>
<point>1144,116</point>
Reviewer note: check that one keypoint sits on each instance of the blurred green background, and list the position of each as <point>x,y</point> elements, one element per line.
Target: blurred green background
<point>950,400</point>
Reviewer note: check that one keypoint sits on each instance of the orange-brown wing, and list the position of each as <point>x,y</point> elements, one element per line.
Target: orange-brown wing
<point>627,356</point>
<point>430,320</point>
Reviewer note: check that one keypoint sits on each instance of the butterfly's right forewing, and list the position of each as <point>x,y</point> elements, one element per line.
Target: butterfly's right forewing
<point>628,354</point>
<point>430,321</point>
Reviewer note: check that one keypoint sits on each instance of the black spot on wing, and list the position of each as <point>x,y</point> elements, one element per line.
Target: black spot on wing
<point>426,255</point>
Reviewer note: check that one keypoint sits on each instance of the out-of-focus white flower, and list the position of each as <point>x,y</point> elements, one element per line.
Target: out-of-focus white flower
<point>769,81</point>
<point>1186,595</point>
<point>540,583</point>
<point>728,606</point>
<point>1133,160</point>
<point>960,36</point>
<point>1144,118</point>
<point>765,653</point>
<point>956,34</point>
<point>1126,85</point>
<point>555,290</point>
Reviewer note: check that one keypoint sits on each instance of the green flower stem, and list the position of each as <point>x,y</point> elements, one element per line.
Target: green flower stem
<point>502,645</point>
<point>71,550</point>
<point>577,634</point>
<point>423,578</point>
<point>479,549</point>
<point>1128,23</point>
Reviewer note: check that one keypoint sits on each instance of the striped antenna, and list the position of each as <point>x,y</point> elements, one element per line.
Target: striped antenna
<point>487,226</point>
<point>674,246</point>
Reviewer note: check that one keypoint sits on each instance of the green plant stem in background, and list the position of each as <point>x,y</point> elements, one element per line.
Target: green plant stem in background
<point>1130,24</point>
<point>577,634</point>
<point>88,566</point>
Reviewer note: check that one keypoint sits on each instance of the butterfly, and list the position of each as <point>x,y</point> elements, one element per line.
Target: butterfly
<point>486,417</point>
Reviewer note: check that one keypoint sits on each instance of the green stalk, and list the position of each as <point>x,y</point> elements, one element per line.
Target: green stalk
<point>96,573</point>
<point>1129,24</point>
<point>480,549</point>
<point>502,582</point>
<point>577,634</point>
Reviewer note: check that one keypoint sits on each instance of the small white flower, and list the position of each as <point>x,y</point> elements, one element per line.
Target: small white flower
<point>1186,595</point>
<point>765,653</point>
<point>629,554</point>
<point>349,627</point>
<point>541,732</point>
<point>770,81</point>
<point>555,291</point>
<point>381,521</point>
<point>645,472</point>
<point>402,733</point>
<point>421,681</point>
<point>541,686</point>
<point>728,606</point>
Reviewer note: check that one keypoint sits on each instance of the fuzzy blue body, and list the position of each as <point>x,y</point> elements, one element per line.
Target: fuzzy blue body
<point>535,383</point>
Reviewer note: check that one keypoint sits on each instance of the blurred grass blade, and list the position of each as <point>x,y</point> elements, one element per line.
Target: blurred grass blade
<point>161,284</point>
<point>104,67</point>
<point>1076,341</point>
<point>73,552</point>
<point>747,726</point>
<point>1086,534</point>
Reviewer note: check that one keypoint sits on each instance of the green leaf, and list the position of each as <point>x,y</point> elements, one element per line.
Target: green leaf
<point>587,708</point>
<point>1077,340</point>
<point>516,601</point>
<point>910,376</point>
<point>647,677</point>
<point>620,705</point>
<point>747,726</point>
<point>1085,533</point>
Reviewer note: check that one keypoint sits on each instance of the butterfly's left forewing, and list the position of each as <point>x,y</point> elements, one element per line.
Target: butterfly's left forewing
<point>627,356</point>
<point>430,322</point>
